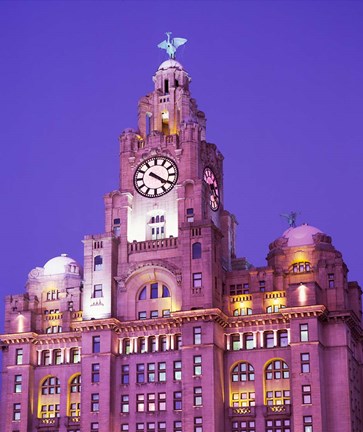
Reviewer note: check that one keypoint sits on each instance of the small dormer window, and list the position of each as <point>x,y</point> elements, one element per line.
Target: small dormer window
<point>301,267</point>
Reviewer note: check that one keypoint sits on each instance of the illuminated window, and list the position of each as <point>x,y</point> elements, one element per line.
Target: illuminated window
<point>98,263</point>
<point>124,427</point>
<point>161,427</point>
<point>196,250</point>
<point>178,341</point>
<point>165,292</point>
<point>177,426</point>
<point>278,425</point>
<point>95,427</point>
<point>140,373</point>
<point>242,311</point>
<point>19,356</point>
<point>152,343</point>
<point>74,355</point>
<point>197,365</point>
<point>248,341</point>
<point>16,412</point>
<point>198,399</point>
<point>308,423</point>
<point>243,371</point>
<point>51,386</point>
<point>54,329</point>
<point>301,267</point>
<point>277,369</point>
<point>163,343</point>
<point>235,342</point>
<point>177,370</point>
<point>274,308</point>
<point>269,339</point>
<point>161,371</point>
<point>125,374</point>
<point>125,404</point>
<point>18,380</point>
<point>142,295</point>
<point>57,356</point>
<point>243,399</point>
<point>305,362</point>
<point>151,372</point>
<point>154,291</point>
<point>49,411</point>
<point>306,394</point>
<point>96,344</point>
<point>126,346</point>
<point>198,424</point>
<point>154,314</point>
<point>162,401</point>
<point>97,291</point>
<point>244,426</point>
<point>197,335</point>
<point>45,358</point>
<point>140,427</point>
<point>278,397</point>
<point>75,385</point>
<point>140,402</point>
<point>142,315</point>
<point>151,402</point>
<point>304,332</point>
<point>177,401</point>
<point>197,280</point>
<point>166,313</point>
<point>190,215</point>
<point>75,409</point>
<point>283,338</point>
<point>95,402</point>
<point>150,427</point>
<point>95,372</point>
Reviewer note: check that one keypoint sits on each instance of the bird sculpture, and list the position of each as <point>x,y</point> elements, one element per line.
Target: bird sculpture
<point>170,46</point>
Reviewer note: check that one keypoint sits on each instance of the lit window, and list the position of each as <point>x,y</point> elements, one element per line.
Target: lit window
<point>18,379</point>
<point>166,313</point>
<point>96,344</point>
<point>166,292</point>
<point>243,371</point>
<point>140,402</point>
<point>177,370</point>
<point>197,365</point>
<point>190,215</point>
<point>162,401</point>
<point>248,341</point>
<point>125,404</point>
<point>197,280</point>
<point>277,369</point>
<point>75,409</point>
<point>278,425</point>
<point>19,356</point>
<point>140,373</point>
<point>198,424</point>
<point>142,315</point>
<point>16,412</point>
<point>235,342</point>
<point>177,426</point>
<point>97,291</point>
<point>154,291</point>
<point>269,339</point>
<point>177,400</point>
<point>142,295</point>
<point>140,427</point>
<point>151,372</point>
<point>243,399</point>
<point>308,423</point>
<point>98,263</point>
<point>126,346</point>
<point>306,394</point>
<point>154,314</point>
<point>161,371</point>
<point>196,250</point>
<point>74,355</point>
<point>198,399</point>
<point>161,427</point>
<point>95,402</point>
<point>95,427</point>
<point>304,332</point>
<point>51,386</point>
<point>57,356</point>
<point>125,374</point>
<point>75,385</point>
<point>124,427</point>
<point>301,267</point>
<point>151,402</point>
<point>244,426</point>
<point>278,397</point>
<point>197,335</point>
<point>283,338</point>
<point>49,411</point>
<point>305,362</point>
<point>95,372</point>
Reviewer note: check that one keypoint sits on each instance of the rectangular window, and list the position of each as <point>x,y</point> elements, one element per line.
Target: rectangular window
<point>74,355</point>
<point>236,342</point>
<point>304,332</point>
<point>162,372</point>
<point>140,402</point>
<point>19,356</point>
<point>125,374</point>
<point>198,400</point>
<point>96,344</point>
<point>190,215</point>
<point>197,280</point>
<point>162,343</point>
<point>140,427</point>
<point>151,402</point>
<point>305,362</point>
<point>95,402</point>
<point>18,379</point>
<point>16,411</point>
<point>197,335</point>
<point>154,314</point>
<point>95,427</point>
<point>331,283</point>
<point>162,401</point>
<point>142,315</point>
<point>308,423</point>
<point>198,424</point>
<point>125,427</point>
<point>177,426</point>
<point>306,394</point>
<point>97,291</point>
<point>178,341</point>
<point>197,365</point>
<point>151,372</point>
<point>154,291</point>
<point>150,427</point>
<point>161,427</point>
<point>125,404</point>
<point>95,372</point>
<point>166,313</point>
<point>278,425</point>
<point>140,373</point>
<point>262,285</point>
<point>177,370</point>
<point>246,288</point>
<point>177,400</point>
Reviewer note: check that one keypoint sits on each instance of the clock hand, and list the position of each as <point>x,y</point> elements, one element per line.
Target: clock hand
<point>157,177</point>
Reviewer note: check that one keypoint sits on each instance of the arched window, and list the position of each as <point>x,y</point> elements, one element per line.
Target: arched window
<point>142,295</point>
<point>196,250</point>
<point>49,398</point>
<point>242,311</point>
<point>165,292</point>
<point>75,384</point>
<point>161,304</point>
<point>301,267</point>
<point>242,385</point>
<point>51,386</point>
<point>98,263</point>
<point>274,308</point>
<point>277,383</point>
<point>74,396</point>
<point>243,371</point>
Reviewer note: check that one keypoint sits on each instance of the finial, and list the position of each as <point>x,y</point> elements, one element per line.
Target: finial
<point>170,46</point>
<point>291,218</point>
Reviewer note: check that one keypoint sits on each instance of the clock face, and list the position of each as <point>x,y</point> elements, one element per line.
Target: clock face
<point>155,176</point>
<point>212,183</point>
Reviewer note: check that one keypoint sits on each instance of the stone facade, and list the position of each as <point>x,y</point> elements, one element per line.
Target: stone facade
<point>166,328</point>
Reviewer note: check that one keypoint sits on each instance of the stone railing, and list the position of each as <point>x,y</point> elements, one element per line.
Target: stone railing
<point>248,411</point>
<point>152,245</point>
<point>73,421</point>
<point>53,316</point>
<point>277,410</point>
<point>49,423</point>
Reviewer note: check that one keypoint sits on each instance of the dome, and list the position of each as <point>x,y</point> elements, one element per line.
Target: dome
<point>171,63</point>
<point>301,235</point>
<point>60,265</point>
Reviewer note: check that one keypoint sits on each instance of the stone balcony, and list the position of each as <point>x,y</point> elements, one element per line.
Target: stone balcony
<point>152,245</point>
<point>277,410</point>
<point>248,411</point>
<point>48,424</point>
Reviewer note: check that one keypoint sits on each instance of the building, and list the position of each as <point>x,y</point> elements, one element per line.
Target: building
<point>166,328</point>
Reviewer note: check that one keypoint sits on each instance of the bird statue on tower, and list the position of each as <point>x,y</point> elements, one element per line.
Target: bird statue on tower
<point>170,46</point>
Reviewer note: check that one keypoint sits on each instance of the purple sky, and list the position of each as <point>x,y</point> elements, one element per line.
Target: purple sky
<point>280,83</point>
